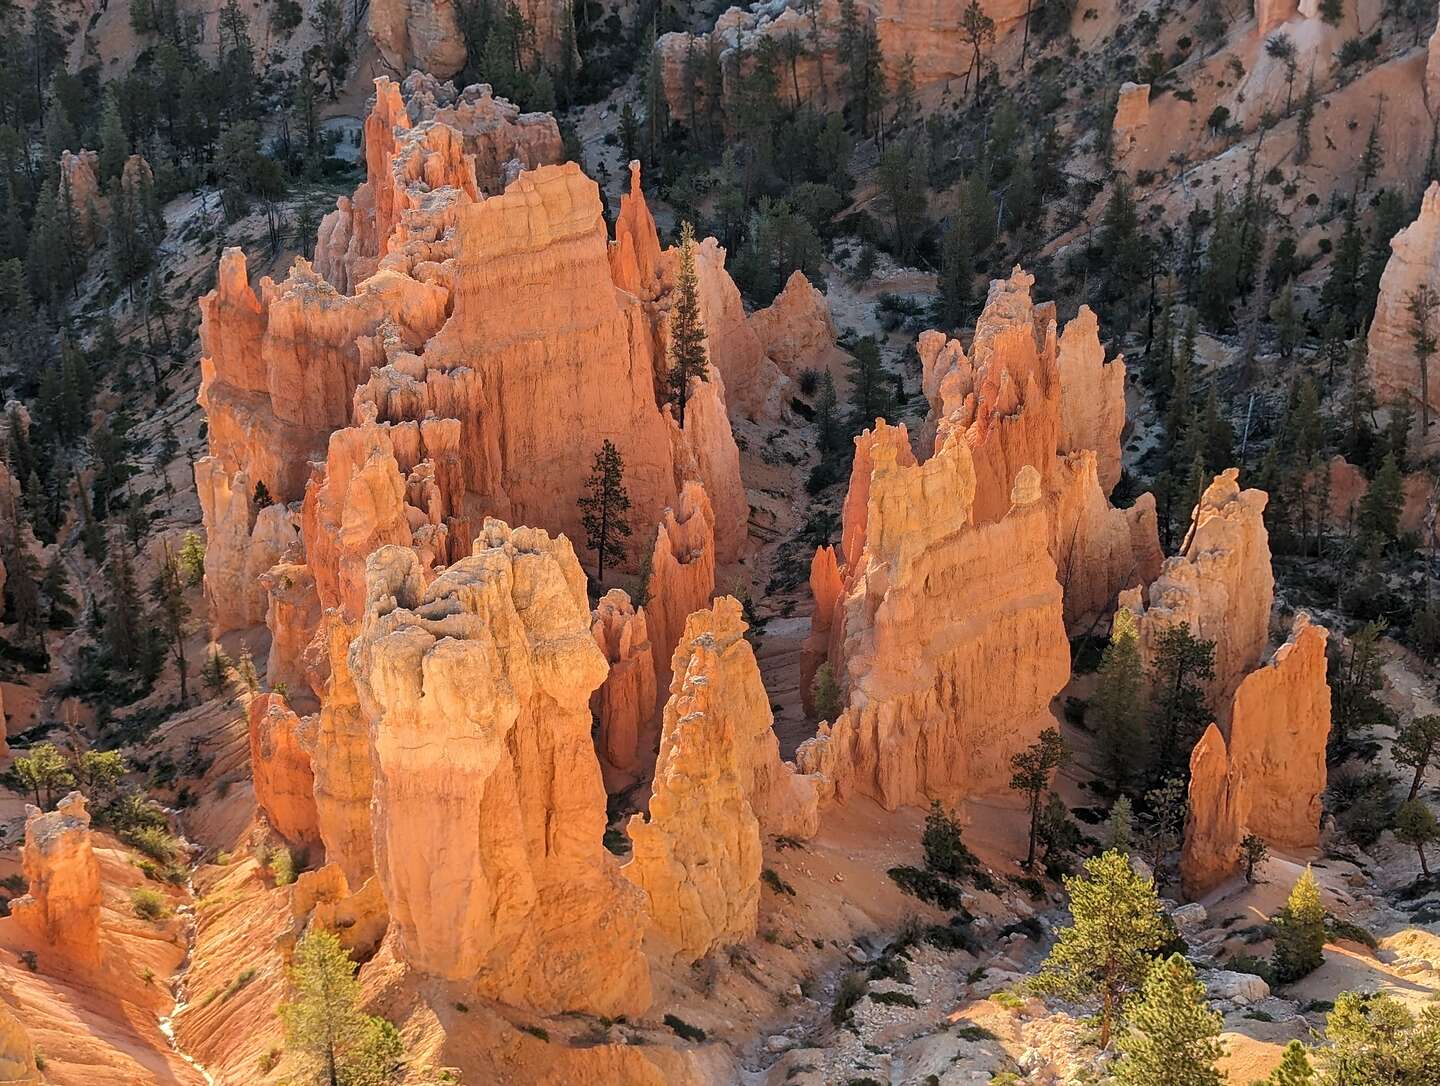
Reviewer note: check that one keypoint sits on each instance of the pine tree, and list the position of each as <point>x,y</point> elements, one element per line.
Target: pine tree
<point>1379,1041</point>
<point>870,385</point>
<point>114,144</point>
<point>55,586</point>
<point>1120,826</point>
<point>1182,664</point>
<point>325,1027</point>
<point>1341,290</point>
<point>825,693</point>
<point>1332,11</point>
<point>1379,510</point>
<point>1421,305</point>
<point>1163,824</point>
<point>978,30</point>
<point>1173,1037</point>
<point>1119,706</point>
<point>1253,853</point>
<point>605,503</point>
<point>1303,120</point>
<point>1123,249</point>
<point>125,634</point>
<point>174,614</point>
<point>22,589</point>
<point>1373,158</point>
<point>1286,318</point>
<point>829,433</point>
<point>1416,746</point>
<point>1294,1069</point>
<point>192,558</point>
<point>1300,931</point>
<point>1032,769</point>
<point>216,672</point>
<point>688,360</point>
<point>1415,826</point>
<point>44,771</point>
<point>1106,952</point>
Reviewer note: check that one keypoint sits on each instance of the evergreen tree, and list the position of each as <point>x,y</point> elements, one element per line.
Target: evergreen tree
<point>1119,827</point>
<point>1379,510</point>
<point>1332,11</point>
<point>977,30</point>
<point>174,614</point>
<point>1286,318</point>
<point>1303,120</point>
<point>192,558</point>
<point>1415,747</point>
<point>44,771</point>
<point>55,586</point>
<point>1415,826</point>
<point>870,385</point>
<point>1160,354</point>
<point>22,589</point>
<point>1253,852</point>
<point>688,360</point>
<point>1173,1037</point>
<point>1123,249</point>
<point>125,633</point>
<point>1164,821</point>
<point>1183,663</point>
<point>1116,929</point>
<point>1341,290</point>
<point>829,433</point>
<point>1119,706</point>
<point>1373,158</point>
<point>1294,1069</point>
<point>605,504</point>
<point>337,1043</point>
<point>1379,1041</point>
<point>1300,931</point>
<point>1032,769</point>
<point>114,144</point>
<point>1421,305</point>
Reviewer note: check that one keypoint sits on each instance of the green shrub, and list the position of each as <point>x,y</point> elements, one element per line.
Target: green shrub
<point>776,883</point>
<point>927,886</point>
<point>971,1032</point>
<point>1248,963</point>
<point>148,904</point>
<point>158,844</point>
<point>894,999</point>
<point>281,862</point>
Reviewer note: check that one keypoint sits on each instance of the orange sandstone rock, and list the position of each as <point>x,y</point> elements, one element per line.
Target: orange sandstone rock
<point>422,34</point>
<point>1132,113</point>
<point>322,898</point>
<point>796,329</point>
<point>280,767</point>
<point>62,907</point>
<point>1220,585</point>
<point>1414,263</point>
<point>941,696</point>
<point>1092,397</point>
<point>17,1053</point>
<point>1267,779</point>
<point>626,700</point>
<point>80,182</point>
<point>682,574</point>
<point>719,785</point>
<point>488,807</point>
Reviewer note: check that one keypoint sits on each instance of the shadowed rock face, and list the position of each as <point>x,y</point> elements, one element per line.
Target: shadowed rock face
<point>1414,265</point>
<point>488,808</point>
<point>626,700</point>
<point>1267,779</point>
<point>280,767</point>
<point>62,907</point>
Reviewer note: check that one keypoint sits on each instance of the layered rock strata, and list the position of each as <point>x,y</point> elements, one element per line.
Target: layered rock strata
<point>682,573</point>
<point>1414,266</point>
<point>62,906</point>
<point>488,806</point>
<point>1268,775</point>
<point>949,630</point>
<point>1220,585</point>
<point>80,184</point>
<point>796,330</point>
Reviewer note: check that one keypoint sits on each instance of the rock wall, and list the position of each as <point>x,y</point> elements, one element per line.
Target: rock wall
<point>1414,263</point>
<point>625,701</point>
<point>62,907</point>
<point>941,694</point>
<point>1268,778</point>
<point>1220,585</point>
<point>1432,70</point>
<point>426,34</point>
<point>1092,397</point>
<point>80,181</point>
<point>488,808</point>
<point>280,768</point>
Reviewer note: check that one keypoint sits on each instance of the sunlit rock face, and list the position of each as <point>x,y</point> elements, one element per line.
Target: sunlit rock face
<point>488,808</point>
<point>1268,776</point>
<point>1220,585</point>
<point>62,906</point>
